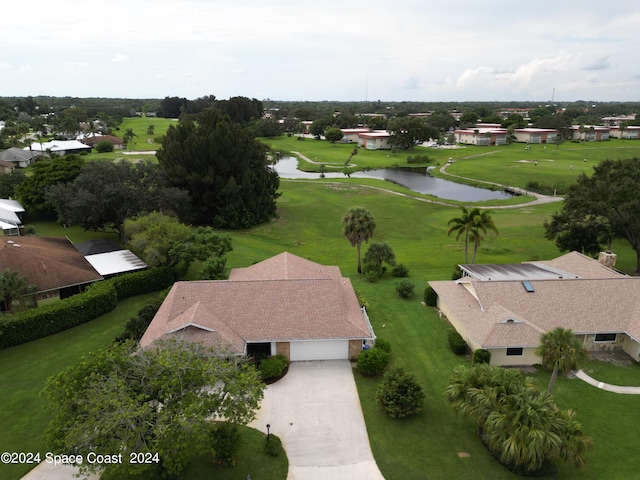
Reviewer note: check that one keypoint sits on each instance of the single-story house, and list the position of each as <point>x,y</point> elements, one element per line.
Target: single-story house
<point>376,140</point>
<point>535,135</point>
<point>93,140</point>
<point>59,147</point>
<point>108,258</point>
<point>481,135</point>
<point>505,309</point>
<point>590,133</point>
<point>631,132</point>
<point>283,305</point>
<point>11,216</point>
<point>17,156</point>
<point>52,264</point>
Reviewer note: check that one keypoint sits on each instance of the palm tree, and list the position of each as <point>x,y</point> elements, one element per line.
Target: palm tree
<point>12,286</point>
<point>481,223</point>
<point>561,352</point>
<point>128,136</point>
<point>358,226</point>
<point>473,223</point>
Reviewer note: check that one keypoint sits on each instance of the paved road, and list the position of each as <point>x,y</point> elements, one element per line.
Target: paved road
<point>315,410</point>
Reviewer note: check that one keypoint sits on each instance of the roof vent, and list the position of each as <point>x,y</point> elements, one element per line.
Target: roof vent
<point>527,286</point>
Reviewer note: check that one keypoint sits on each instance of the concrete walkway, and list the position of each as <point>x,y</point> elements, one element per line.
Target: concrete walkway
<point>315,411</point>
<point>605,386</point>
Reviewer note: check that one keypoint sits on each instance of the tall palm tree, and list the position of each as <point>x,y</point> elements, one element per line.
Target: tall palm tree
<point>473,224</point>
<point>561,352</point>
<point>482,222</point>
<point>358,226</point>
<point>12,286</point>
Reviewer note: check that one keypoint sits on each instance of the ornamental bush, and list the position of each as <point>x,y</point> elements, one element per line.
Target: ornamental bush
<point>399,394</point>
<point>481,356</point>
<point>372,362</point>
<point>430,297</point>
<point>457,343</point>
<point>272,445</point>
<point>104,146</point>
<point>273,367</point>
<point>383,344</point>
<point>225,439</point>
<point>405,288</point>
<point>400,271</point>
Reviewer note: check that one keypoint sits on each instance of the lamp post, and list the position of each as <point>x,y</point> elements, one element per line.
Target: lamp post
<point>268,427</point>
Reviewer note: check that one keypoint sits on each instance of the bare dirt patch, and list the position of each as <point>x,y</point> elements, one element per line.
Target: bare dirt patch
<point>615,357</point>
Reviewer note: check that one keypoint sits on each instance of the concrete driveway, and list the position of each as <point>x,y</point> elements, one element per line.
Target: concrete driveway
<point>315,410</point>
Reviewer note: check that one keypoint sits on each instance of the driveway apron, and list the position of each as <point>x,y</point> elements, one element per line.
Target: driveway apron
<point>315,410</point>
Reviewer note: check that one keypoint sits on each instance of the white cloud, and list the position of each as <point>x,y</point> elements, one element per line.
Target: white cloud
<point>119,58</point>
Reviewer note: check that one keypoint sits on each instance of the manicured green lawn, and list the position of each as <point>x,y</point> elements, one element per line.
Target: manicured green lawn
<point>309,225</point>
<point>25,369</point>
<point>143,141</point>
<point>628,375</point>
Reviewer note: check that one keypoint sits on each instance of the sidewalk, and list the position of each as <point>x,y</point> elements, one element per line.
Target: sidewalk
<point>605,386</point>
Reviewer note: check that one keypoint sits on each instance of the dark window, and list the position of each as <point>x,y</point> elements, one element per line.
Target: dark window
<point>605,337</point>
<point>514,351</point>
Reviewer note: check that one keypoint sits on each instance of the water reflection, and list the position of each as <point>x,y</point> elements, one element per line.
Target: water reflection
<point>287,167</point>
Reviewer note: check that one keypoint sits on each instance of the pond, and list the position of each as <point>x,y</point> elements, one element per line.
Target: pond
<point>287,167</point>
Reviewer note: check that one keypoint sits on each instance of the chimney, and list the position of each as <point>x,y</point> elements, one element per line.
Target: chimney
<point>608,259</point>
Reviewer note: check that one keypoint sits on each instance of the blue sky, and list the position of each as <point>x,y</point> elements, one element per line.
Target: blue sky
<point>330,50</point>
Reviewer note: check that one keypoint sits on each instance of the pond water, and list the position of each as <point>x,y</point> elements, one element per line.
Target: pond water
<point>287,167</point>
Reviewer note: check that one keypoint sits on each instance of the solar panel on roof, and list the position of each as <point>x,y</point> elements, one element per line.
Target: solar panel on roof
<point>527,286</point>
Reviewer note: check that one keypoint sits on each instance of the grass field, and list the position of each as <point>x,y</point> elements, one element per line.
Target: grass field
<point>308,224</point>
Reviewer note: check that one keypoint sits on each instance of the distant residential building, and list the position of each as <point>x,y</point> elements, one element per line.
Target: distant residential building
<point>590,133</point>
<point>631,132</point>
<point>11,217</point>
<point>6,167</point>
<point>59,147</point>
<point>377,140</point>
<point>618,120</point>
<point>17,156</point>
<point>535,135</point>
<point>482,135</point>
<point>350,135</point>
<point>92,141</point>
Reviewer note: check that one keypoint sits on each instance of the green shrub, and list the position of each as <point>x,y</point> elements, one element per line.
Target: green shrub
<point>273,367</point>
<point>373,272</point>
<point>383,344</point>
<point>400,271</point>
<point>361,300</point>
<point>98,299</point>
<point>372,362</point>
<point>400,394</point>
<point>225,440</point>
<point>430,297</point>
<point>457,273</point>
<point>481,356</point>
<point>136,326</point>
<point>457,343</point>
<point>272,445</point>
<point>104,146</point>
<point>405,288</point>
<point>145,281</point>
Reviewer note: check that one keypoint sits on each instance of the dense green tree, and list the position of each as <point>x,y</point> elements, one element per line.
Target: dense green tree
<point>9,183</point>
<point>333,134</point>
<point>224,169</point>
<point>611,194</point>
<point>377,254</point>
<point>442,121</point>
<point>358,226</point>
<point>241,110</point>
<point>267,127</point>
<point>405,132</point>
<point>12,286</point>
<point>400,394</point>
<point>172,107</point>
<point>319,125</point>
<point>561,352</point>
<point>43,174</point>
<point>468,119</point>
<point>586,234</point>
<point>156,401</point>
<point>107,193</point>
<point>104,146</point>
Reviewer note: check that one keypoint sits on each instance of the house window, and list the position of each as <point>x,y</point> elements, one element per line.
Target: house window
<point>514,351</point>
<point>605,337</point>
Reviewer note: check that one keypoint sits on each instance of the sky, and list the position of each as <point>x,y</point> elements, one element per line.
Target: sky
<point>339,50</point>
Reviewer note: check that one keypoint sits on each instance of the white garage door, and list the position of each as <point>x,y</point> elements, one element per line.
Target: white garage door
<point>319,350</point>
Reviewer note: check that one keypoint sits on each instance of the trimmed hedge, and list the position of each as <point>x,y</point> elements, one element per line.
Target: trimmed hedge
<point>457,343</point>
<point>430,297</point>
<point>99,298</point>
<point>372,362</point>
